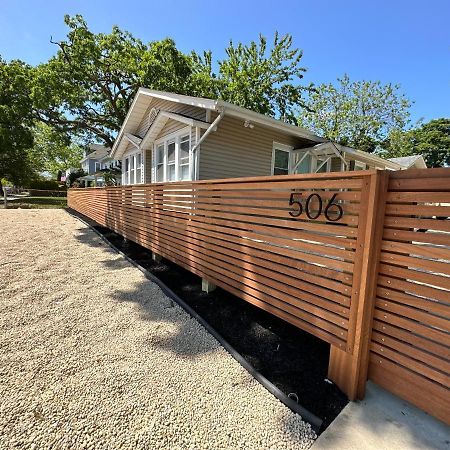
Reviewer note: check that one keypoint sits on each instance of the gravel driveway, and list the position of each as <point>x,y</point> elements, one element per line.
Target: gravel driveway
<point>93,355</point>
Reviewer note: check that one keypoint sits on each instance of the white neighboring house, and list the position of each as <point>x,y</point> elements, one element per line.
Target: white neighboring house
<point>171,137</point>
<point>96,160</point>
<point>410,162</point>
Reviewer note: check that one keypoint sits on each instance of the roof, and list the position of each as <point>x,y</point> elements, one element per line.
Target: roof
<point>410,161</point>
<point>98,152</point>
<point>359,155</point>
<point>144,97</point>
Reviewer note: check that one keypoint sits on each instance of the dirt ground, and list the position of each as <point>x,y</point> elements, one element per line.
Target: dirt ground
<point>93,355</point>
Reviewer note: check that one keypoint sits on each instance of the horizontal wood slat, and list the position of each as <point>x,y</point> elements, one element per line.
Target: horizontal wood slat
<point>313,272</point>
<point>410,349</point>
<point>239,235</point>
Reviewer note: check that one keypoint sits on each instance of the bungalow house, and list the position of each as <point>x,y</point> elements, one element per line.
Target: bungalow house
<point>94,162</point>
<point>171,137</point>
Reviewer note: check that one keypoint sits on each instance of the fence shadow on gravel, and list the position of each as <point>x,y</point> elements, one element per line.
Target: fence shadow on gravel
<point>179,342</point>
<point>162,310</point>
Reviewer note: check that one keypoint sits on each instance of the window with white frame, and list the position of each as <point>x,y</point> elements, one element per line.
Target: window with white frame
<point>126,172</point>
<point>281,159</point>
<point>132,173</point>
<point>172,157</point>
<point>159,162</point>
<point>97,166</point>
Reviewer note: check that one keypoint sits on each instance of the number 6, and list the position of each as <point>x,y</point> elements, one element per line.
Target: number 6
<point>330,205</point>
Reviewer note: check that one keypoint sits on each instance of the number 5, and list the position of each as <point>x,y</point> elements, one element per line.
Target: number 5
<point>292,201</point>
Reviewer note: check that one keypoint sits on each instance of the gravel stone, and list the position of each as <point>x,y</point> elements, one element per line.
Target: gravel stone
<point>93,356</point>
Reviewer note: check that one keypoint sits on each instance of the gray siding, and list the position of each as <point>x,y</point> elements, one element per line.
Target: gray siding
<point>170,127</point>
<point>235,151</point>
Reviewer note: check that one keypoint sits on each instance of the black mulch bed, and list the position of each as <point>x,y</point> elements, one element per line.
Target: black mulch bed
<point>293,360</point>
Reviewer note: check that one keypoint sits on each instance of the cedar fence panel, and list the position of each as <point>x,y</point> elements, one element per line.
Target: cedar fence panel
<point>410,344</point>
<point>239,234</point>
<point>374,284</point>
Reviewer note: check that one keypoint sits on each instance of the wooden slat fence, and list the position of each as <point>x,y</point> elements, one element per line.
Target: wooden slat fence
<point>281,244</point>
<point>240,235</point>
<point>410,346</point>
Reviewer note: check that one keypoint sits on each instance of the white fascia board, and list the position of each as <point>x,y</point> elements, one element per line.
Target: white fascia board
<point>199,102</point>
<point>125,123</point>
<point>369,157</point>
<point>132,141</point>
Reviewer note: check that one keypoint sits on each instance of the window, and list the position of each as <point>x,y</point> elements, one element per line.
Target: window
<point>97,167</point>
<point>127,171</point>
<point>360,165</point>
<point>172,157</point>
<point>132,173</point>
<point>160,163</point>
<point>281,159</point>
<point>171,165</point>
<point>184,158</point>
<point>131,158</point>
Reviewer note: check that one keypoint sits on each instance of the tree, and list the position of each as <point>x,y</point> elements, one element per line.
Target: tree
<point>88,86</point>
<point>53,150</point>
<point>360,114</point>
<point>265,80</point>
<point>15,121</point>
<point>431,140</point>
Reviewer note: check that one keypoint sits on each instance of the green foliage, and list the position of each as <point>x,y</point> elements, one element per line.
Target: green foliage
<point>89,85</point>
<point>53,150</point>
<point>40,202</point>
<point>73,176</point>
<point>42,184</point>
<point>254,76</point>
<point>111,176</point>
<point>15,121</point>
<point>431,140</point>
<point>359,114</point>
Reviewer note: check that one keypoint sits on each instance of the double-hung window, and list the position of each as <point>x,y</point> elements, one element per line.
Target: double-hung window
<point>127,171</point>
<point>171,161</point>
<point>184,157</point>
<point>281,159</point>
<point>172,157</point>
<point>132,173</point>
<point>159,162</point>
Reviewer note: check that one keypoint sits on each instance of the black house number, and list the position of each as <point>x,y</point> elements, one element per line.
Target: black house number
<point>295,201</point>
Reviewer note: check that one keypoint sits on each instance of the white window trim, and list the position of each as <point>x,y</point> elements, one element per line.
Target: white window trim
<point>132,154</point>
<point>97,166</point>
<point>360,164</point>
<point>175,136</point>
<point>285,148</point>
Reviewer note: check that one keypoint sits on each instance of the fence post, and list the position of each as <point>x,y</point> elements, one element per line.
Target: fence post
<point>348,369</point>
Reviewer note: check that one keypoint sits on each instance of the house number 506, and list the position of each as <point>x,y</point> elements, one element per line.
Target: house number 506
<point>295,201</point>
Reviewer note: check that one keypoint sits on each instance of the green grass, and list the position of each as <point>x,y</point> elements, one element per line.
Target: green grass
<point>37,203</point>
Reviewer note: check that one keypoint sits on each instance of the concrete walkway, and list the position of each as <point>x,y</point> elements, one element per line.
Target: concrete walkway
<point>383,421</point>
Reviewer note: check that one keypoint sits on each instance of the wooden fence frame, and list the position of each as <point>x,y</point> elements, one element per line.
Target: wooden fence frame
<point>349,363</point>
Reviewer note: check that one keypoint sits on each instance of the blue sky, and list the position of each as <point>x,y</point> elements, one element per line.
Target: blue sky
<point>405,42</point>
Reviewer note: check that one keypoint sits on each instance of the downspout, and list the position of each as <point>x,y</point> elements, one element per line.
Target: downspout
<point>212,127</point>
<point>196,157</point>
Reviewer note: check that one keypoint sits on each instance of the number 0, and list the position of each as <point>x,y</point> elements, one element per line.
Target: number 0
<point>319,211</point>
